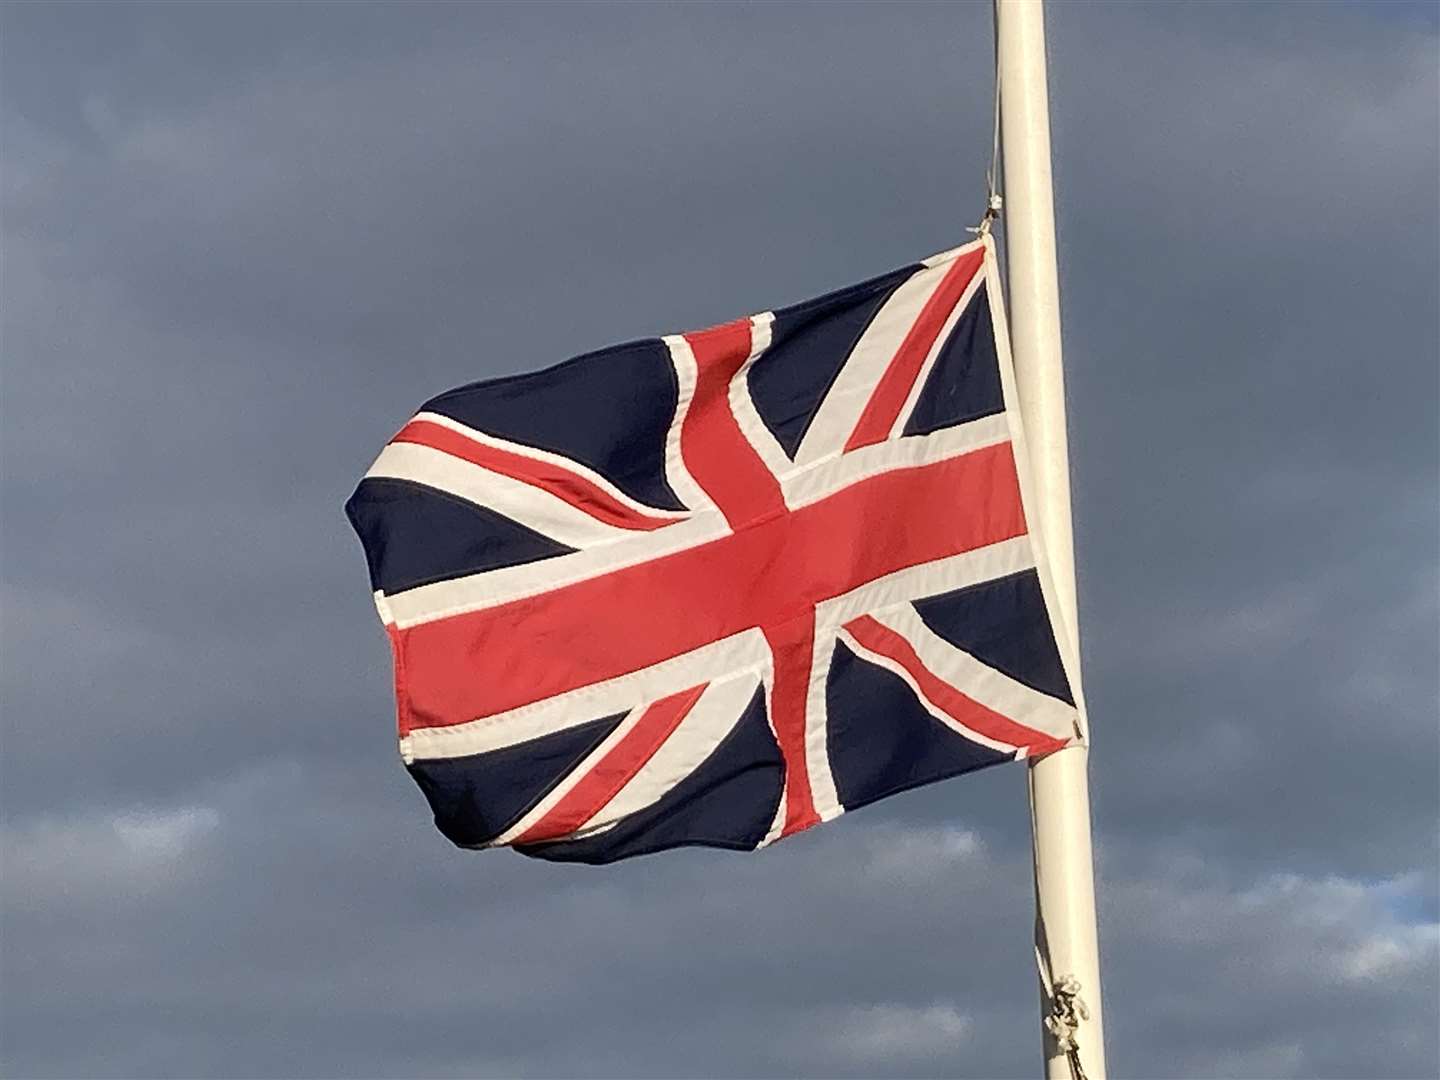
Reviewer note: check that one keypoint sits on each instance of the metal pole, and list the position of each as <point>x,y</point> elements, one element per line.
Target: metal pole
<point>1059,789</point>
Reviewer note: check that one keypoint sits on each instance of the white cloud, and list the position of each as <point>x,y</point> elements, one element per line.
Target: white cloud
<point>916,854</point>
<point>888,1034</point>
<point>101,856</point>
<point>164,835</point>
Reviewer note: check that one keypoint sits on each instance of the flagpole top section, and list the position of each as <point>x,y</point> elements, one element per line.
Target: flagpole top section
<point>1059,784</point>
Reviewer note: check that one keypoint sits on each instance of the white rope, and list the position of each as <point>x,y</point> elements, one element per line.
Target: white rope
<point>993,200</point>
<point>1067,1012</point>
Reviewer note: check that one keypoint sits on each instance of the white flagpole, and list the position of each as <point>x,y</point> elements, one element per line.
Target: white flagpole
<point>1059,788</point>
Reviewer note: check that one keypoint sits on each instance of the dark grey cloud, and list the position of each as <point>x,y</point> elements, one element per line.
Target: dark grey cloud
<point>242,242</point>
<point>871,947</point>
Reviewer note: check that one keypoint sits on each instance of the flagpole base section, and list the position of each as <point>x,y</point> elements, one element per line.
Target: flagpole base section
<point>1066,943</point>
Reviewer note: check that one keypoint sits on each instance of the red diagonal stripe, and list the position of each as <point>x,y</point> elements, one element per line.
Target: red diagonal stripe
<point>899,379</point>
<point>880,639</point>
<point>616,769</point>
<point>718,455</point>
<point>792,646</point>
<point>575,489</point>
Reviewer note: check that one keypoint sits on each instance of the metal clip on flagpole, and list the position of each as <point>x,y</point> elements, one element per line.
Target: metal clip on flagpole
<point>1065,933</point>
<point>993,206</point>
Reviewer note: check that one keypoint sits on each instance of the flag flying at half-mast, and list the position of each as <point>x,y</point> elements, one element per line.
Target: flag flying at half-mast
<point>717,587</point>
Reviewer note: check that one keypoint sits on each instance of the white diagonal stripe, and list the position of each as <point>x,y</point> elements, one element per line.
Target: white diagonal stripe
<point>712,717</point>
<point>823,795</point>
<point>952,254</point>
<point>777,823</point>
<point>567,783</point>
<point>682,358</point>
<point>475,592</point>
<point>928,579</point>
<point>742,405</point>
<point>931,707</point>
<point>827,477</point>
<point>842,406</point>
<point>531,506</point>
<point>982,683</point>
<point>703,729</point>
<point>936,348</point>
<point>549,458</point>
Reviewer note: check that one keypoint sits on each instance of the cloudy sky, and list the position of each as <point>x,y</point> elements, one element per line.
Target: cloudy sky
<point>242,243</point>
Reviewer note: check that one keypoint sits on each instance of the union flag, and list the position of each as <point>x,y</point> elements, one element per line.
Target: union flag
<point>717,587</point>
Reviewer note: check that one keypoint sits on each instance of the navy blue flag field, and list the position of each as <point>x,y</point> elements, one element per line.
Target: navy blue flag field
<point>718,587</point>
